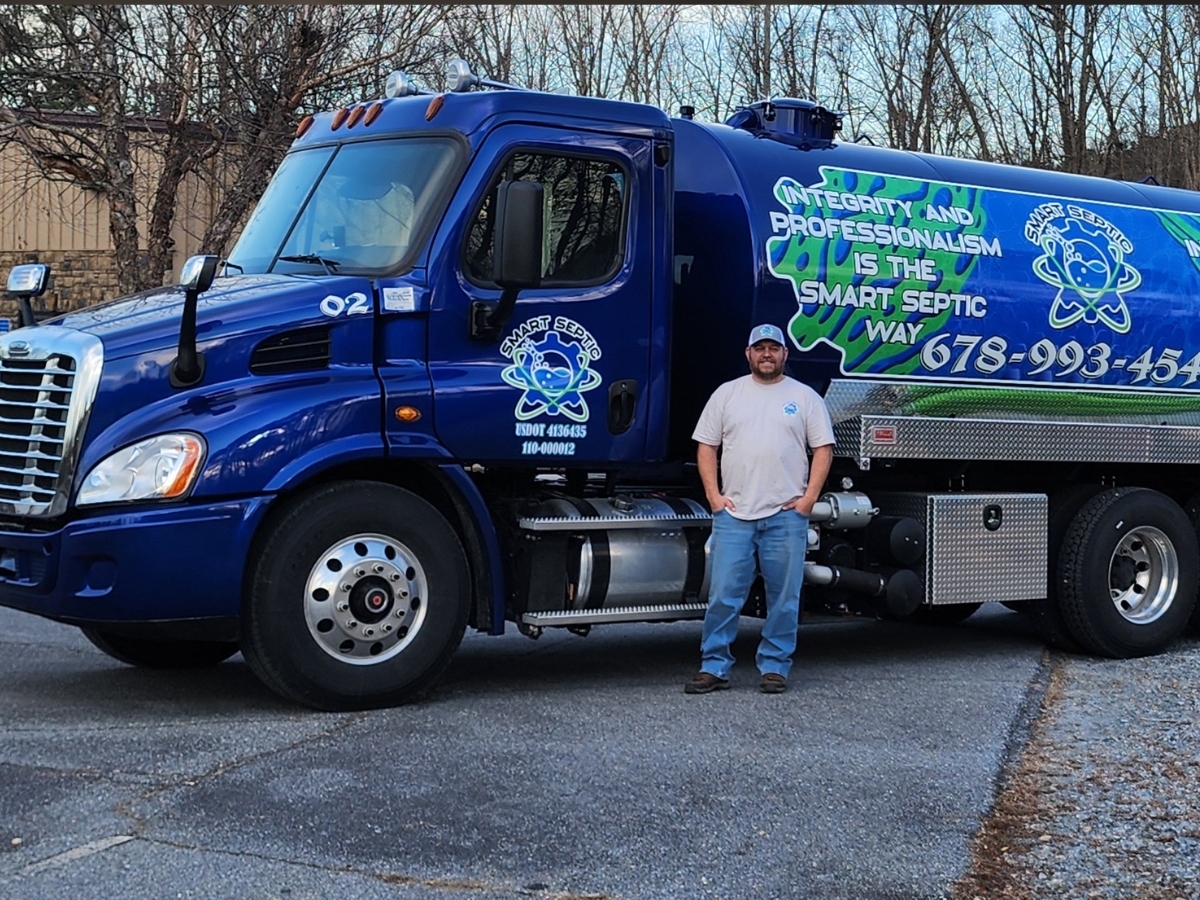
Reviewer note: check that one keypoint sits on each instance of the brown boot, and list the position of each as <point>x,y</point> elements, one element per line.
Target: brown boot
<point>705,683</point>
<point>773,684</point>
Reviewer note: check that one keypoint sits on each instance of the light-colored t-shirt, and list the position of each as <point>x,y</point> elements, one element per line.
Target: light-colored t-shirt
<point>764,432</point>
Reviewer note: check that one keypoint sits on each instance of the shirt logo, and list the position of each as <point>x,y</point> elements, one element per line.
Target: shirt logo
<point>790,409</point>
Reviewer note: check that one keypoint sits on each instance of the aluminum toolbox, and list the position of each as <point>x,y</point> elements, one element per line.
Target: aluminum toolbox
<point>979,547</point>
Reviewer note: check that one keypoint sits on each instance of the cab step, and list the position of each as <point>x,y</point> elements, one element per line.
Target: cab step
<point>556,618</point>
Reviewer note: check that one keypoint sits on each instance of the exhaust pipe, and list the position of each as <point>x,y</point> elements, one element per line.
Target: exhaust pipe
<point>897,594</point>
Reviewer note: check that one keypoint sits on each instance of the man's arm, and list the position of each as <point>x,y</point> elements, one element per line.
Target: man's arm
<point>818,471</point>
<point>706,462</point>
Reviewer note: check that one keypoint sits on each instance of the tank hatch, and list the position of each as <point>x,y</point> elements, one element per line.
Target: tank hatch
<point>800,123</point>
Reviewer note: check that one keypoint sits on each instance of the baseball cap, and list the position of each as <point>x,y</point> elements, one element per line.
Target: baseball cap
<point>766,332</point>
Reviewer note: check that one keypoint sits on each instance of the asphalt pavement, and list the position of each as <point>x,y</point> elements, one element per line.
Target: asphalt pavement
<point>560,768</point>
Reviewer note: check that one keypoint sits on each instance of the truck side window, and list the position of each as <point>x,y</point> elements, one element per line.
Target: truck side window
<point>584,218</point>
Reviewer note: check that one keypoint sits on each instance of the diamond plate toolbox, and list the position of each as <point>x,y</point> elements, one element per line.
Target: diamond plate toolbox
<point>980,547</point>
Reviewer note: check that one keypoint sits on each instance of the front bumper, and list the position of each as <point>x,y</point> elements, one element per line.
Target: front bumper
<point>134,565</point>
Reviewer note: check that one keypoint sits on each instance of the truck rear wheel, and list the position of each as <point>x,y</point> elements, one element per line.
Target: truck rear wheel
<point>1192,510</point>
<point>1046,615</point>
<point>151,654</point>
<point>358,600</point>
<point>1128,573</point>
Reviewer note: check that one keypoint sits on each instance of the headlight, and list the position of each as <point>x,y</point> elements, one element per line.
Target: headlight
<point>158,468</point>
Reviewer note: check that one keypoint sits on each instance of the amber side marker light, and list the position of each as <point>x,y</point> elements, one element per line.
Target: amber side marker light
<point>407,413</point>
<point>373,113</point>
<point>305,124</point>
<point>338,118</point>
<point>435,106</point>
<point>355,115</point>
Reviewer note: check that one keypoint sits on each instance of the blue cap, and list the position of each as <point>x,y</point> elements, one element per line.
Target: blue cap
<point>766,333</point>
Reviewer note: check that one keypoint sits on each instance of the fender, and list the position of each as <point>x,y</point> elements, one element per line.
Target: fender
<point>365,446</point>
<point>471,503</point>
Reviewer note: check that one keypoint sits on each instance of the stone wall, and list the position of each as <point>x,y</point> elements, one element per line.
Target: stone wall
<point>79,278</point>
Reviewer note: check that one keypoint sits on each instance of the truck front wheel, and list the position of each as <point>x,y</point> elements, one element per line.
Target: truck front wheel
<point>358,600</point>
<point>1128,572</point>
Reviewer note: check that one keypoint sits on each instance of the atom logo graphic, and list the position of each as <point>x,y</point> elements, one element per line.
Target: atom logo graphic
<point>1083,255</point>
<point>553,375</point>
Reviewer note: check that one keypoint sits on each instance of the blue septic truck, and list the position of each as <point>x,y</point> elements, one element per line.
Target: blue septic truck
<point>448,375</point>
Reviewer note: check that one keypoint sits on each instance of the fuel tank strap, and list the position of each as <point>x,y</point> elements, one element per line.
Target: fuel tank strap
<point>601,570</point>
<point>696,562</point>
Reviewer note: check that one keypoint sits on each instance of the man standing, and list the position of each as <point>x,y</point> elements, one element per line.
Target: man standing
<point>765,423</point>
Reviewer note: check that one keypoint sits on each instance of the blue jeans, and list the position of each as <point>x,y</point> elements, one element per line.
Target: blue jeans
<point>781,541</point>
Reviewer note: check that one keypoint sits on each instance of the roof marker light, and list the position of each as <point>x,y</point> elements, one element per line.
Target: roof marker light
<point>373,113</point>
<point>338,118</point>
<point>355,115</point>
<point>305,124</point>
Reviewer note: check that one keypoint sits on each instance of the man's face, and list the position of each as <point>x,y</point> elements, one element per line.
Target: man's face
<point>766,358</point>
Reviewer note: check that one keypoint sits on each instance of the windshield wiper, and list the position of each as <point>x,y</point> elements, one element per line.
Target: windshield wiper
<point>312,259</point>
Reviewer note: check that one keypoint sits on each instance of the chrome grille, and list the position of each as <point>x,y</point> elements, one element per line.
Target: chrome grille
<point>48,380</point>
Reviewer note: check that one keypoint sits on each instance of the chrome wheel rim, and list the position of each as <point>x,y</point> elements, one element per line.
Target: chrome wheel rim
<point>364,600</point>
<point>1143,575</point>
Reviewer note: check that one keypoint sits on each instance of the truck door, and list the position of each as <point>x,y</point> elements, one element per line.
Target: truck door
<point>565,381</point>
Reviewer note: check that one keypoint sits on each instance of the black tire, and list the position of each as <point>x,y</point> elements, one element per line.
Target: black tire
<point>950,614</point>
<point>151,654</point>
<point>1128,572</point>
<point>1192,510</point>
<point>1046,615</point>
<point>378,644</point>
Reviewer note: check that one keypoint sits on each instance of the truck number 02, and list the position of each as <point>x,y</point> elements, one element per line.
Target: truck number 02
<point>354,305</point>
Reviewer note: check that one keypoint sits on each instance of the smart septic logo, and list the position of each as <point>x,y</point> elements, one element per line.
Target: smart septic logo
<point>1083,255</point>
<point>551,365</point>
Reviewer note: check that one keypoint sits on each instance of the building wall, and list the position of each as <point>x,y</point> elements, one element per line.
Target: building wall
<point>67,227</point>
<point>79,278</point>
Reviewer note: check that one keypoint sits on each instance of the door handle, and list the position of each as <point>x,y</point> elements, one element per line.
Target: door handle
<point>622,402</point>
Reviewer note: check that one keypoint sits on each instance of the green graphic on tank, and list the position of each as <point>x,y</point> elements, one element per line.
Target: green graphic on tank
<point>897,274</point>
<point>934,281</point>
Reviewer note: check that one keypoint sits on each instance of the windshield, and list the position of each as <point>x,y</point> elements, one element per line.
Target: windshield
<point>354,209</point>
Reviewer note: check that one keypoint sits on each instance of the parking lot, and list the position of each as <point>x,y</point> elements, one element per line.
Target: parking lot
<point>563,767</point>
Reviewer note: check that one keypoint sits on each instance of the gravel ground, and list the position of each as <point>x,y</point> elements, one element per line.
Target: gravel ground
<point>1101,796</point>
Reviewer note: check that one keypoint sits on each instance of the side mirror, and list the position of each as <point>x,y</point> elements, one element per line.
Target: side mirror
<point>198,273</point>
<point>187,369</point>
<point>516,257</point>
<point>24,283</point>
<point>518,254</point>
<point>30,280</point>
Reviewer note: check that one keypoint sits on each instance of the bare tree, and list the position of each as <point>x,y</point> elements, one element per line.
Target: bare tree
<point>105,62</point>
<point>87,89</point>
<point>587,35</point>
<point>1164,46</point>
<point>704,72</point>
<point>641,48</point>
<point>1058,44</point>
